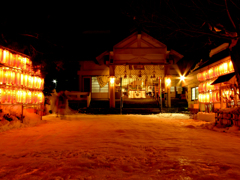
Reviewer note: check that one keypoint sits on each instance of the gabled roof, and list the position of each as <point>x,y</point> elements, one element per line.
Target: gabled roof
<point>146,40</point>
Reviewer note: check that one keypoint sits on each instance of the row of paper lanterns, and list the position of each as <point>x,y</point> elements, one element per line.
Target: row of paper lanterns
<point>15,96</point>
<point>209,97</point>
<point>206,86</point>
<point>224,68</point>
<point>214,96</point>
<point>16,77</point>
<point>15,60</point>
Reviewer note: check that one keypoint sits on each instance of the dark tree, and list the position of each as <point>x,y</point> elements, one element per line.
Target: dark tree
<point>191,24</point>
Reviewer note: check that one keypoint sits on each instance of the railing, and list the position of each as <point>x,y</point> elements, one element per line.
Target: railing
<point>79,96</point>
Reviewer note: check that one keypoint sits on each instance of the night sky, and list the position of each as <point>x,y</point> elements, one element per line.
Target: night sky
<point>61,34</point>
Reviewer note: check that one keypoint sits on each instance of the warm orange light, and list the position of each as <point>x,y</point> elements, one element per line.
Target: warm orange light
<point>168,82</point>
<point>182,78</point>
<point>1,55</point>
<point>230,66</point>
<point>6,54</point>
<point>112,80</point>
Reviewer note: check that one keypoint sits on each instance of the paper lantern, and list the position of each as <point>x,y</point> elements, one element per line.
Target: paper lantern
<point>225,67</point>
<point>1,55</point>
<point>13,96</point>
<point>210,73</point>
<point>18,78</point>
<point>208,98</point>
<point>13,77</point>
<point>199,76</point>
<point>18,61</point>
<point>19,96</point>
<point>2,95</point>
<point>6,55</point>
<point>25,80</point>
<point>42,84</point>
<point>8,95</point>
<point>29,97</point>
<point>30,81</point>
<point>6,75</point>
<point>230,66</point>
<point>1,75</point>
<point>24,96</point>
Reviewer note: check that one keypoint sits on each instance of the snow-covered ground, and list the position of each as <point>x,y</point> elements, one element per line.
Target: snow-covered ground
<point>163,146</point>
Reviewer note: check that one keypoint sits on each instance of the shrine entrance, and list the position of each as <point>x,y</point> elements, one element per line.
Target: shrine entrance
<point>138,81</point>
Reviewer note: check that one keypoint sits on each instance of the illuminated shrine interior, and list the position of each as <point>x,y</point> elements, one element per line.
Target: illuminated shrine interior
<point>138,81</point>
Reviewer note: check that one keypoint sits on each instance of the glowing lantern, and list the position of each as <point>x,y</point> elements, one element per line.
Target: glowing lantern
<point>14,60</point>
<point>13,96</point>
<point>210,72</point>
<point>220,69</point>
<point>30,81</point>
<point>29,97</point>
<point>26,80</point>
<point>1,55</point>
<point>13,77</point>
<point>40,97</point>
<point>8,95</point>
<point>200,97</point>
<point>18,78</point>
<point>2,95</point>
<point>18,61</point>
<point>230,66</point>
<point>1,75</point>
<point>6,55</point>
<point>225,68</point>
<point>24,96</point>
<point>19,96</point>
<point>42,84</point>
<point>208,97</point>
<point>199,76</point>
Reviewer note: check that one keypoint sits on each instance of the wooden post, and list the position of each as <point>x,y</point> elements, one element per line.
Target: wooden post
<point>121,100</point>
<point>112,87</point>
<point>169,97</point>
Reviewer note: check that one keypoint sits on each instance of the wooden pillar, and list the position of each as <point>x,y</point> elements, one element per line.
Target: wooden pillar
<point>167,87</point>
<point>169,97</point>
<point>112,87</point>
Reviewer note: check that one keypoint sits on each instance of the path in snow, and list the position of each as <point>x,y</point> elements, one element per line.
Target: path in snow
<point>119,147</point>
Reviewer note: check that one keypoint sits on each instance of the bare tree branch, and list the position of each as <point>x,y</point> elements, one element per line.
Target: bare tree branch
<point>234,4</point>
<point>229,16</point>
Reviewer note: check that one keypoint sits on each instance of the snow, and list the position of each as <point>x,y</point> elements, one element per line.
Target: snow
<point>162,146</point>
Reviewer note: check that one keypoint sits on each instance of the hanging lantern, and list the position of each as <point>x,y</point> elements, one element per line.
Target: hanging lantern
<point>35,81</point>
<point>29,100</point>
<point>42,84</point>
<point>30,81</point>
<point>1,75</point>
<point>13,96</point>
<point>13,77</point>
<point>225,68</point>
<point>22,79</point>
<point>210,72</point>
<point>18,61</point>
<point>26,80</point>
<point>19,96</point>
<point>24,96</point>
<point>200,97</point>
<point>6,54</point>
<point>14,60</point>
<point>1,55</point>
<point>230,66</point>
<point>2,95</point>
<point>8,95</point>
<point>208,98</point>
<point>18,78</point>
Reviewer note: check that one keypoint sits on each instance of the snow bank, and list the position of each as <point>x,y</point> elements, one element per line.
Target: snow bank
<point>10,117</point>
